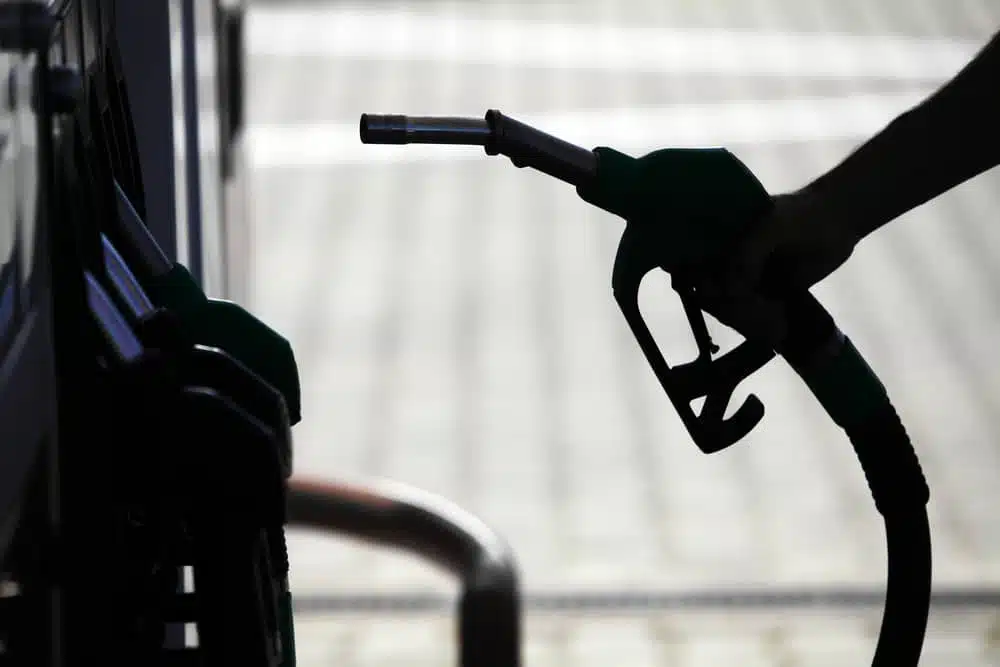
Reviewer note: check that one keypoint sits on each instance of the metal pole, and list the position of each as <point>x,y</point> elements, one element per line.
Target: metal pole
<point>143,31</point>
<point>192,140</point>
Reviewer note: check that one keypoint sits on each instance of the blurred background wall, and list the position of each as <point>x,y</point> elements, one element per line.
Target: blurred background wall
<point>456,330</point>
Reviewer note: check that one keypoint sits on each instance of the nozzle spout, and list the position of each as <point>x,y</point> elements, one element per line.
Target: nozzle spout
<point>496,133</point>
<point>400,129</point>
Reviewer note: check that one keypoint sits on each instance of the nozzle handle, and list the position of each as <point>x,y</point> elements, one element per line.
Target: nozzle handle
<point>530,147</point>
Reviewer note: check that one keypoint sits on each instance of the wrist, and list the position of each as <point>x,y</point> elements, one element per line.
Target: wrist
<point>829,213</point>
<point>879,181</point>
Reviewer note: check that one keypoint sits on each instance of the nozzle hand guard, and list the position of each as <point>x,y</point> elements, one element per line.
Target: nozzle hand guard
<point>713,380</point>
<point>684,209</point>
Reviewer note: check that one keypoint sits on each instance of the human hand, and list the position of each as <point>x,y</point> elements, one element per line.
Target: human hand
<point>792,248</point>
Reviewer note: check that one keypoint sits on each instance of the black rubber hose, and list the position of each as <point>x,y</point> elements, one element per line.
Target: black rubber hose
<point>901,494</point>
<point>856,400</point>
<point>904,621</point>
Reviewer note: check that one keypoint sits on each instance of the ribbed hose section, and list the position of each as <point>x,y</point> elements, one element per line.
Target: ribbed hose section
<point>900,491</point>
<point>278,546</point>
<point>890,463</point>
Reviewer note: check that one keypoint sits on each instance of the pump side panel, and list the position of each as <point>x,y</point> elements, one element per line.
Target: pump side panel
<point>27,368</point>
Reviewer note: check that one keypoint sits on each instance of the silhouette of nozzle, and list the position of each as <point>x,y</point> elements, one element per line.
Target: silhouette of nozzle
<point>400,129</point>
<point>498,134</point>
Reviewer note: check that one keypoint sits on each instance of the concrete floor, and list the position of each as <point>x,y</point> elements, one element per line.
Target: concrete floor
<point>456,331</point>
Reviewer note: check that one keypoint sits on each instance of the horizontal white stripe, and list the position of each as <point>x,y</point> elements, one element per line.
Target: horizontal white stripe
<point>632,130</point>
<point>338,32</point>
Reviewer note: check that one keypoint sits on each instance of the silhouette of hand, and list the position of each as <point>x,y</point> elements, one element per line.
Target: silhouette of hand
<point>792,248</point>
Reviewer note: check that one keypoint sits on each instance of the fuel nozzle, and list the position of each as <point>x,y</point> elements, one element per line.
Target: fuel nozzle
<point>160,282</point>
<point>496,133</point>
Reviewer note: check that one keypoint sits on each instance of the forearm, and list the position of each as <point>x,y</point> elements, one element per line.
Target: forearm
<point>949,138</point>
